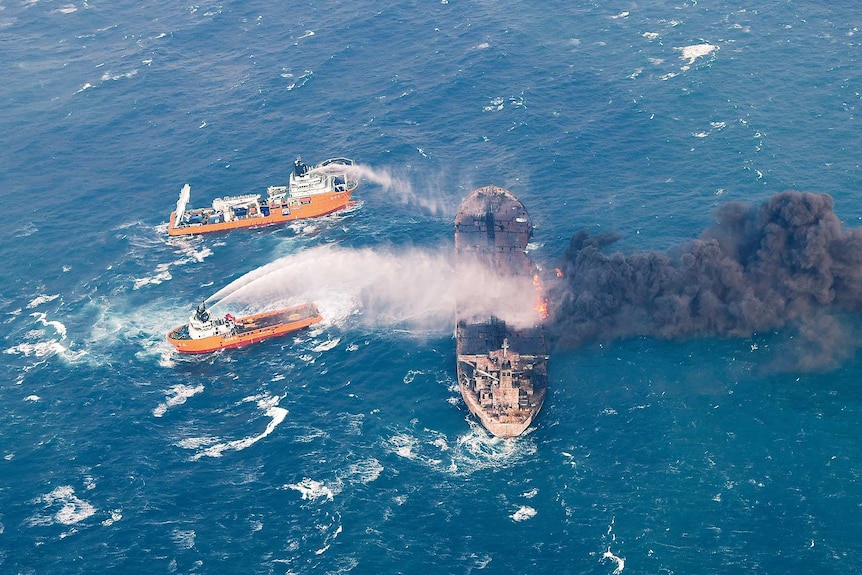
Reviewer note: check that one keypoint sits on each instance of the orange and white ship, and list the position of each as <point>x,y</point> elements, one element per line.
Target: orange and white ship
<point>205,333</point>
<point>311,192</point>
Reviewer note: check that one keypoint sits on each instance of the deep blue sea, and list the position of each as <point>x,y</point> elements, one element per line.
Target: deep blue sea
<point>346,448</point>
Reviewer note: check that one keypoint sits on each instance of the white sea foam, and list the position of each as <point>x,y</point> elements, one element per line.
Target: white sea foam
<point>43,348</point>
<point>365,471</point>
<point>403,445</point>
<point>32,398</point>
<point>27,230</point>
<point>478,449</point>
<point>39,300</point>
<point>176,395</point>
<point>692,53</point>
<point>312,490</point>
<point>162,274</point>
<point>72,509</point>
<point>191,251</point>
<point>184,538</point>
<point>196,442</point>
<point>523,513</point>
<point>620,561</point>
<point>116,515</point>
<point>326,345</point>
<point>269,405</point>
<point>301,81</point>
<point>471,451</point>
<point>107,76</point>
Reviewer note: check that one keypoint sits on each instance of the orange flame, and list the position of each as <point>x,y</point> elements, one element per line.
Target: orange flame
<point>542,307</point>
<point>541,302</point>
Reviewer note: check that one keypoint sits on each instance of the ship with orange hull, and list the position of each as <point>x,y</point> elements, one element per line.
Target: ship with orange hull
<point>204,333</point>
<point>310,193</point>
<point>502,368</point>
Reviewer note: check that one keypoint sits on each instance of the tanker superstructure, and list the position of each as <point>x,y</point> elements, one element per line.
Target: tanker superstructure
<point>502,368</point>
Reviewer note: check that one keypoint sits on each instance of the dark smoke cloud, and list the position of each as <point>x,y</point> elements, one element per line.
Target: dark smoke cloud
<point>785,262</point>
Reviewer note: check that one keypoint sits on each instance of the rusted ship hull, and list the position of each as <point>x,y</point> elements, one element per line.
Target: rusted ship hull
<point>502,369</point>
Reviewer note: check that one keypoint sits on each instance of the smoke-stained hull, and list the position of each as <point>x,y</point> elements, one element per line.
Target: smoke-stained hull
<point>502,370</point>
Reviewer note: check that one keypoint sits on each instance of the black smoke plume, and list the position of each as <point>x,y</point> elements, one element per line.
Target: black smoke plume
<point>786,262</point>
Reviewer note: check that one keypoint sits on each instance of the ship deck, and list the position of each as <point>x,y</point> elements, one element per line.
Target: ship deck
<point>502,370</point>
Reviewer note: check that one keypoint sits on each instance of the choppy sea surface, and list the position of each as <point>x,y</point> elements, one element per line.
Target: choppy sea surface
<point>346,448</point>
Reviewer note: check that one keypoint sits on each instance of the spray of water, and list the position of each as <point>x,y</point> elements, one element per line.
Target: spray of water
<point>398,185</point>
<point>413,289</point>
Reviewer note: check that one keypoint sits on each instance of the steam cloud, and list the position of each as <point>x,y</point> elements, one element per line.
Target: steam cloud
<point>787,261</point>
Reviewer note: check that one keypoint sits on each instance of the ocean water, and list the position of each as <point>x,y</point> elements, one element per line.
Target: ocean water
<point>346,448</point>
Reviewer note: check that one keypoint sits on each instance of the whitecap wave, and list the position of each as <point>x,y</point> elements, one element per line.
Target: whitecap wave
<point>43,344</point>
<point>403,445</point>
<point>176,395</point>
<point>184,538</point>
<point>692,53</point>
<point>312,490</point>
<point>72,509</point>
<point>39,300</point>
<point>472,451</point>
<point>620,561</point>
<point>365,471</point>
<point>523,513</point>
<point>116,515</point>
<point>268,404</point>
<point>326,345</point>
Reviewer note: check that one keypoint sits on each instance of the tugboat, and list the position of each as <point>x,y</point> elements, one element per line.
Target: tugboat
<point>205,333</point>
<point>311,192</point>
<point>502,370</point>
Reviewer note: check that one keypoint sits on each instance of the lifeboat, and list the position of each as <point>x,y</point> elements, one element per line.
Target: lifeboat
<point>205,333</point>
<point>311,192</point>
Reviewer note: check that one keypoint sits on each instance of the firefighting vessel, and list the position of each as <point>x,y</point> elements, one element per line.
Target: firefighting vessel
<point>205,333</point>
<point>311,192</point>
<point>502,369</point>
